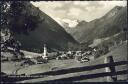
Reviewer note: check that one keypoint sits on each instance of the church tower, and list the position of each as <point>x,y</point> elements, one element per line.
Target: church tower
<point>45,52</point>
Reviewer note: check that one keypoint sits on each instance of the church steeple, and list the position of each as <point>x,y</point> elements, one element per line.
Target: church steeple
<point>45,51</point>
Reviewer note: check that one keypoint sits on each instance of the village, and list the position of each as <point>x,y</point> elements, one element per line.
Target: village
<point>10,44</point>
<point>26,62</point>
<point>40,58</point>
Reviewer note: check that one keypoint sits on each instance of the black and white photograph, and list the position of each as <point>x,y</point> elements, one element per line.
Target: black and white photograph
<point>64,41</point>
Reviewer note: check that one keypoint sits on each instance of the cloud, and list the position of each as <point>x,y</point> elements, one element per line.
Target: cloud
<point>80,3</point>
<point>72,23</point>
<point>113,3</point>
<point>81,10</point>
<point>47,4</point>
<point>74,12</point>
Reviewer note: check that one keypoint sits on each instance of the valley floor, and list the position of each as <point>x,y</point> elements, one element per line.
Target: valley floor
<point>119,54</point>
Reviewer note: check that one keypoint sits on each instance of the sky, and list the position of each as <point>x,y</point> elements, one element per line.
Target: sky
<point>71,11</point>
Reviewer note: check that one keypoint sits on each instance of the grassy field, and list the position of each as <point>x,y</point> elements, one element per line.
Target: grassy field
<point>119,53</point>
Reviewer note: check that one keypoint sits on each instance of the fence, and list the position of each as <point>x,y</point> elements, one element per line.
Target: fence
<point>110,71</point>
<point>109,65</point>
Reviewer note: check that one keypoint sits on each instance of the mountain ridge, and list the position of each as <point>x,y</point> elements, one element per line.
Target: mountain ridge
<point>101,27</point>
<point>49,32</point>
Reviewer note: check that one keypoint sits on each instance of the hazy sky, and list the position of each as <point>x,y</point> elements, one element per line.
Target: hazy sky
<point>69,11</point>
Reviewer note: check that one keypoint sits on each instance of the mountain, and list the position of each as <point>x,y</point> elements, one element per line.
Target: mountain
<point>67,26</point>
<point>111,23</point>
<point>48,32</point>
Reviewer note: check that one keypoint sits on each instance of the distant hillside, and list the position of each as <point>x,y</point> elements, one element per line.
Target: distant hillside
<point>48,32</point>
<point>111,23</point>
